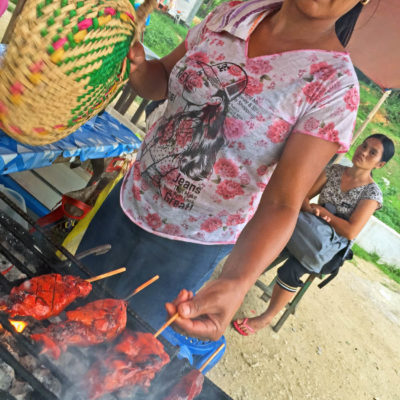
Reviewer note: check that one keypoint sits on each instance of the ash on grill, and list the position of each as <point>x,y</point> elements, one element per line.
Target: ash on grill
<point>25,373</point>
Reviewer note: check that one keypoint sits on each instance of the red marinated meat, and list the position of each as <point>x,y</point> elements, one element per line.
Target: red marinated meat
<point>188,387</point>
<point>97,322</point>
<point>135,360</point>
<point>44,296</point>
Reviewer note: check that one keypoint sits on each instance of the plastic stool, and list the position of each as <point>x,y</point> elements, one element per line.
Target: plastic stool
<point>195,350</point>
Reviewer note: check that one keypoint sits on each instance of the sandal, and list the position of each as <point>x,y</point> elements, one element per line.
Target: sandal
<point>238,328</point>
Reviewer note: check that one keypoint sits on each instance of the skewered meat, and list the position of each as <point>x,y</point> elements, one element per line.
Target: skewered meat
<point>97,322</point>
<point>188,387</point>
<point>44,296</point>
<point>135,360</point>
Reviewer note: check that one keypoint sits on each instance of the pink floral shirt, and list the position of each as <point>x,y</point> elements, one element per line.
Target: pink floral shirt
<point>203,166</point>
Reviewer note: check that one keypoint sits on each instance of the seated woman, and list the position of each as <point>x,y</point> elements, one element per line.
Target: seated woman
<point>354,195</point>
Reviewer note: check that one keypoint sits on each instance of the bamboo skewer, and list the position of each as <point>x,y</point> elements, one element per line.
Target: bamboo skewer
<point>213,355</point>
<point>168,323</point>
<point>142,286</point>
<point>106,275</point>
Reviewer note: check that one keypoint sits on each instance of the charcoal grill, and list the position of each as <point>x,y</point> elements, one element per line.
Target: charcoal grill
<point>35,254</point>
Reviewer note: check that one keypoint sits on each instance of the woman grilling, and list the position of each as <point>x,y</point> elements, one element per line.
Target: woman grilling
<point>261,95</point>
<point>352,197</point>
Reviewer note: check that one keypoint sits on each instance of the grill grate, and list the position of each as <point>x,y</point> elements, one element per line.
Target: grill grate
<point>36,254</point>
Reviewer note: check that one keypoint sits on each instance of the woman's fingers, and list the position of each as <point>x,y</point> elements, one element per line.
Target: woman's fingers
<point>183,296</point>
<point>206,328</point>
<point>136,55</point>
<point>207,314</point>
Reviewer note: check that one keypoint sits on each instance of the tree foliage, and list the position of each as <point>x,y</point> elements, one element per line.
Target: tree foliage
<point>393,107</point>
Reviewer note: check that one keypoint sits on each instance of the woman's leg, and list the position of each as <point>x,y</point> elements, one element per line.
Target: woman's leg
<point>285,288</point>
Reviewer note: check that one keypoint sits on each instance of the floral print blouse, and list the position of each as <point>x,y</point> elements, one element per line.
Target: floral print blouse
<point>346,202</point>
<point>203,166</point>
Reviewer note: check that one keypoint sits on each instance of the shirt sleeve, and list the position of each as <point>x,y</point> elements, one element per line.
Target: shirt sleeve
<point>373,192</point>
<point>332,111</point>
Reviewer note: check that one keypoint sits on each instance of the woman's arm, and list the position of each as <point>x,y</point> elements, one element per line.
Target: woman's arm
<point>260,242</point>
<point>150,78</point>
<point>316,188</point>
<point>351,228</point>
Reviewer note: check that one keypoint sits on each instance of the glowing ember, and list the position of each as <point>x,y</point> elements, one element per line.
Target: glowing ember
<point>19,326</point>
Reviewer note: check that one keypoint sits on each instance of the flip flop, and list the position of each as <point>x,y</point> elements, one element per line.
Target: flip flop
<point>244,324</point>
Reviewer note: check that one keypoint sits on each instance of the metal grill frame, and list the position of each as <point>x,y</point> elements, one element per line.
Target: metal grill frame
<point>167,376</point>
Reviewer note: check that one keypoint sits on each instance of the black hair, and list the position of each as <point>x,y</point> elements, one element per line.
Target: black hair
<point>388,145</point>
<point>345,24</point>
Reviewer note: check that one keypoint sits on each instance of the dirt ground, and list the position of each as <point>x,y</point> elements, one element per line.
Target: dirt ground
<point>342,343</point>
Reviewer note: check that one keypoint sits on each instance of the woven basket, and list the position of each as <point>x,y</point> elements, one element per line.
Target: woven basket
<point>64,64</point>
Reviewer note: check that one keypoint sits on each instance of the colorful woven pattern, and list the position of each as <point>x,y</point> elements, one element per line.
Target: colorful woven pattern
<point>65,63</point>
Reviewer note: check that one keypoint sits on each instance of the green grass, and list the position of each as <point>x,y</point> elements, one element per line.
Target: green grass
<point>389,270</point>
<point>163,35</point>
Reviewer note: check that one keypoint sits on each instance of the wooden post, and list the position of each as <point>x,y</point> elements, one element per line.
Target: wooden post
<point>11,25</point>
<point>371,115</point>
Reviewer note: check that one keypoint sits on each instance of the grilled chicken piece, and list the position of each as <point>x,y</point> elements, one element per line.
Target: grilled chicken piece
<point>97,322</point>
<point>135,360</point>
<point>188,387</point>
<point>44,296</point>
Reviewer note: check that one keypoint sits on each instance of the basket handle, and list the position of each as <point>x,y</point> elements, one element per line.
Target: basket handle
<point>141,13</point>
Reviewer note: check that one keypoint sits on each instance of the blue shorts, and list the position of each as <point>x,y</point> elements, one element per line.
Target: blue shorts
<point>180,265</point>
<point>289,275</point>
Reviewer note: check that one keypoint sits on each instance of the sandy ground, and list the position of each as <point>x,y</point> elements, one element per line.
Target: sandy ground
<point>342,343</point>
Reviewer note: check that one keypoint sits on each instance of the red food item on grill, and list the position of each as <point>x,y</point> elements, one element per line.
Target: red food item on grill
<point>44,296</point>
<point>135,360</point>
<point>188,387</point>
<point>97,322</point>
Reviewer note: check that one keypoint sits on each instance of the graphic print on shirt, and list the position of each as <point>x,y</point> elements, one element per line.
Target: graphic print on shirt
<point>183,150</point>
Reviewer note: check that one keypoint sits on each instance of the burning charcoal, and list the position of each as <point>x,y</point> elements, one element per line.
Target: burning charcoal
<point>111,397</point>
<point>7,376</point>
<point>10,347</point>
<point>20,390</point>
<point>29,362</point>
<point>44,376</point>
<point>128,393</point>
<point>9,271</point>
<point>72,365</point>
<point>78,392</point>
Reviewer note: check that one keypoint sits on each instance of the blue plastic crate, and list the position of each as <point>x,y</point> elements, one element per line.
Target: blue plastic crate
<point>195,350</point>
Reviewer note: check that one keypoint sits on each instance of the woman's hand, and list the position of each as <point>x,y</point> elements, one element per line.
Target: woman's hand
<point>306,206</point>
<point>321,212</point>
<point>149,79</point>
<point>209,313</point>
<point>136,56</point>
